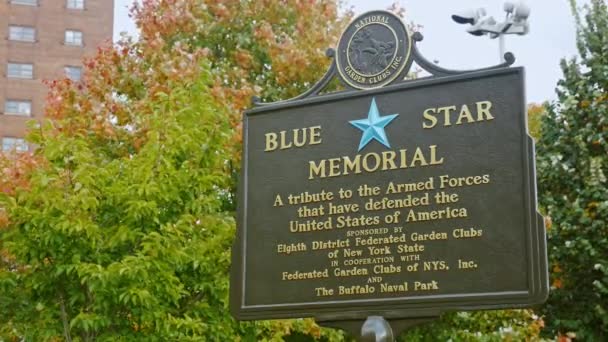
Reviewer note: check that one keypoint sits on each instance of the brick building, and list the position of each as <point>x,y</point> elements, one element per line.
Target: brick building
<point>43,40</point>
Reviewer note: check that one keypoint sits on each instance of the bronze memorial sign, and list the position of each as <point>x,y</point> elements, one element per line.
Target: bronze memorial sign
<point>403,200</point>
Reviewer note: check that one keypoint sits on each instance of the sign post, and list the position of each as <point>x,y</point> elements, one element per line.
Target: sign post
<point>394,200</point>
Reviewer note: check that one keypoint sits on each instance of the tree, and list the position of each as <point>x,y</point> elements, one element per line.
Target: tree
<point>486,326</point>
<point>572,166</point>
<point>268,48</point>
<point>123,238</point>
<point>536,113</point>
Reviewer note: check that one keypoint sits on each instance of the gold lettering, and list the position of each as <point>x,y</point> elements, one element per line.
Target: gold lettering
<point>397,203</point>
<point>284,145</point>
<point>295,138</point>
<point>455,182</point>
<point>461,233</point>
<point>366,166</point>
<point>296,135</point>
<point>384,269</point>
<point>355,290</point>
<point>322,291</point>
<point>403,158</point>
<point>447,213</point>
<point>352,165</point>
<point>291,248</point>
<point>353,272</point>
<point>465,113</point>
<point>315,135</point>
<point>436,265</point>
<point>388,157</point>
<point>297,275</point>
<point>428,115</point>
<point>465,116</point>
<point>306,197</point>
<point>390,288</point>
<point>355,260</point>
<point>310,225</point>
<point>432,236</point>
<point>410,187</point>
<point>419,157</point>
<point>427,286</point>
<point>434,160</point>
<point>446,114</point>
<point>334,167</point>
<point>483,108</point>
<point>271,142</point>
<point>372,162</point>
<point>317,170</point>
<point>466,264</point>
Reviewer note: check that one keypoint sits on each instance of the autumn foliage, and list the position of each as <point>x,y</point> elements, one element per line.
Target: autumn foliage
<point>274,49</point>
<point>116,224</point>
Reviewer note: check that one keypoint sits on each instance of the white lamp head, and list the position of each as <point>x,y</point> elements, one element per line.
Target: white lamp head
<point>521,12</point>
<point>465,17</point>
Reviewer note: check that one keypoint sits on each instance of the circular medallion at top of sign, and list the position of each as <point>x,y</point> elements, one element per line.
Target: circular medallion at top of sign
<point>373,50</point>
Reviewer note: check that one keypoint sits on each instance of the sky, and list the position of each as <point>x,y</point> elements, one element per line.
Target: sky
<point>551,37</point>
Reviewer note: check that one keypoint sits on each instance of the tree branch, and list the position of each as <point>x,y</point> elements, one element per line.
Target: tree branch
<point>64,319</point>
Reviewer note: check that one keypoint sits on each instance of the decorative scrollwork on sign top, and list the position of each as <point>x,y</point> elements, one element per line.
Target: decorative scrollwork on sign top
<point>374,51</point>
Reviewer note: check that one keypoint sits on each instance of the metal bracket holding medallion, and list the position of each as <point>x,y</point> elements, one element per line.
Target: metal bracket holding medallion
<point>377,50</point>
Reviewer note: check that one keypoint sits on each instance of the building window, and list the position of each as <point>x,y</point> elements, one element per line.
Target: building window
<point>20,70</point>
<point>25,2</point>
<point>73,72</point>
<point>17,144</point>
<point>75,4</point>
<point>18,107</point>
<point>22,33</point>
<point>73,37</point>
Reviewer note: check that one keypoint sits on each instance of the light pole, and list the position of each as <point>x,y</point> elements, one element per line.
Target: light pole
<point>516,22</point>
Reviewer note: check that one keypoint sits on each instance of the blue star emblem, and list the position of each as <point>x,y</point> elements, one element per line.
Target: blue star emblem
<point>373,126</point>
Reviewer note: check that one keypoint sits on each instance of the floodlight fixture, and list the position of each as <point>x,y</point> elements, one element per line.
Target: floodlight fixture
<point>516,22</point>
<point>467,17</point>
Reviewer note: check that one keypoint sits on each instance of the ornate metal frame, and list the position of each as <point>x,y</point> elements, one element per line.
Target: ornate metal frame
<point>377,328</point>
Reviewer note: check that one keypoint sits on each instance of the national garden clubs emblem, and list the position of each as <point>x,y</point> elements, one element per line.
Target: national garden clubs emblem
<point>374,50</point>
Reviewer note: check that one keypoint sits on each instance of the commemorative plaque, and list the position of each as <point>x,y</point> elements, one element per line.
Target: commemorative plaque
<point>403,200</point>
